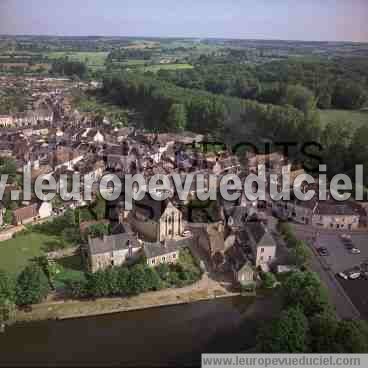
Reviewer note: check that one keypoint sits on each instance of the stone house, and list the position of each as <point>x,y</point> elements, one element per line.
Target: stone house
<point>335,215</point>
<point>112,250</point>
<point>166,252</point>
<point>328,214</point>
<point>33,212</point>
<point>261,244</point>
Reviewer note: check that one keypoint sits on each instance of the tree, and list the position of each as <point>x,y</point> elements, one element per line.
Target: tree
<point>304,289</point>
<point>98,230</point>
<point>268,279</point>
<point>99,208</point>
<point>32,285</point>
<point>8,217</point>
<point>176,118</point>
<point>122,280</point>
<point>301,253</point>
<point>153,280</point>
<point>137,280</point>
<point>324,100</point>
<point>7,288</point>
<point>8,167</point>
<point>301,98</point>
<point>323,329</point>
<point>352,337</point>
<point>98,283</point>
<point>69,68</point>
<point>349,95</point>
<point>288,334</point>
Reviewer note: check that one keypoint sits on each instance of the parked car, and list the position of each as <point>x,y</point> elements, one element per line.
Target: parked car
<point>355,251</point>
<point>354,275</point>
<point>187,233</point>
<point>323,251</point>
<point>342,275</point>
<point>345,236</point>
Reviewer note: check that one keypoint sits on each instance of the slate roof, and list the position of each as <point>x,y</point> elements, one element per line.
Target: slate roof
<point>157,249</point>
<point>112,243</point>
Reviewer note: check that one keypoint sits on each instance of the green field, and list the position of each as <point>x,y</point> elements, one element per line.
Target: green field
<point>353,118</point>
<point>156,68</point>
<point>15,253</point>
<point>92,59</point>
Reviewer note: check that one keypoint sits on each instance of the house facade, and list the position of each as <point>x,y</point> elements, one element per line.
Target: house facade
<point>161,253</point>
<point>112,250</point>
<point>156,220</point>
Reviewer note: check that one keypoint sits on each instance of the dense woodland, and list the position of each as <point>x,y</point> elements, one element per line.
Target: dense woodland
<point>69,68</point>
<point>341,84</point>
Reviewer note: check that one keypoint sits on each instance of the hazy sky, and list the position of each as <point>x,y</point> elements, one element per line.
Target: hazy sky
<point>272,19</point>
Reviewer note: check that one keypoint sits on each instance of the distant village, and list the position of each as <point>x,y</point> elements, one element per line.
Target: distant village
<point>241,238</point>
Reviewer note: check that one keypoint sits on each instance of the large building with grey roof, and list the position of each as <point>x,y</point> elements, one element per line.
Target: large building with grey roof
<point>112,250</point>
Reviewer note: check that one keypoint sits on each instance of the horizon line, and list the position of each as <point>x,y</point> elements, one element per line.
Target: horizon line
<point>178,37</point>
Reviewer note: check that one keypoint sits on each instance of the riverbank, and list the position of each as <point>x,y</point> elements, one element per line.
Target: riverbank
<point>205,289</point>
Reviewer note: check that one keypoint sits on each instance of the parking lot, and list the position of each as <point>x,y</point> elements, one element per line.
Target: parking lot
<point>340,259</point>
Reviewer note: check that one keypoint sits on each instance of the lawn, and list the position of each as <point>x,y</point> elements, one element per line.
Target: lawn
<point>15,253</point>
<point>69,269</point>
<point>156,68</point>
<point>353,118</point>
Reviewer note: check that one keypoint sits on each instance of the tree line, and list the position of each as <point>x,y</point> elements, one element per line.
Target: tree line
<point>308,323</point>
<point>167,107</point>
<point>66,67</point>
<point>136,279</point>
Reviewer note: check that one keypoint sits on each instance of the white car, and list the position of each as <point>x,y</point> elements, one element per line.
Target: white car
<point>355,251</point>
<point>342,275</point>
<point>345,236</point>
<point>354,275</point>
<point>187,233</point>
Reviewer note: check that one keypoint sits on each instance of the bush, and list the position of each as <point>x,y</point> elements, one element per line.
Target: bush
<point>268,280</point>
<point>32,285</point>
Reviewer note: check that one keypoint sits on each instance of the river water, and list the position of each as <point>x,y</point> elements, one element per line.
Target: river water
<point>173,336</point>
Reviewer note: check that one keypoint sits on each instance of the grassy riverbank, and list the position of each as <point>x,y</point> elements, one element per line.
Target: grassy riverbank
<point>205,289</point>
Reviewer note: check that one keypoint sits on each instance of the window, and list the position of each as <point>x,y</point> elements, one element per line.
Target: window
<point>261,259</point>
<point>174,255</point>
<point>153,262</point>
<point>262,250</point>
<point>163,259</point>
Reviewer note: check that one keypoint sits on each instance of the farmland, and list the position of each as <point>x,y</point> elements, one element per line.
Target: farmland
<point>354,118</point>
<point>94,60</point>
<point>156,68</point>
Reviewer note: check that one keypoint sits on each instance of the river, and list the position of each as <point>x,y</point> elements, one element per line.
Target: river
<point>163,336</point>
